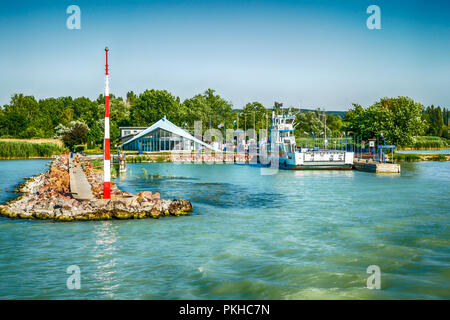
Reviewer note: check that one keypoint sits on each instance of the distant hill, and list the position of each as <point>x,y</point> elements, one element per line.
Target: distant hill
<point>334,113</point>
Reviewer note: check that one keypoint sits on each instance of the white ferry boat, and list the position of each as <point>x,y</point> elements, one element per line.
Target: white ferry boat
<point>290,157</point>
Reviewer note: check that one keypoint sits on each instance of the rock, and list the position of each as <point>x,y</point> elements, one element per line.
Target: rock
<point>46,196</point>
<point>145,194</point>
<point>180,206</point>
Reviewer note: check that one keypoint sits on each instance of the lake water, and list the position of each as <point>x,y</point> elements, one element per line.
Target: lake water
<point>292,235</point>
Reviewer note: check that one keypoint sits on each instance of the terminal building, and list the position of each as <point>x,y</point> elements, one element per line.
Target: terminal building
<point>126,133</point>
<point>163,136</point>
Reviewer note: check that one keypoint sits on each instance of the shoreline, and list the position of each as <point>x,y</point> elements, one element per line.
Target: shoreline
<point>158,158</point>
<point>28,158</point>
<point>422,149</point>
<point>421,157</point>
<point>47,196</point>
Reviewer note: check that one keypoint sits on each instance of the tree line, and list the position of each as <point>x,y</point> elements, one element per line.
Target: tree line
<point>397,120</point>
<point>81,120</point>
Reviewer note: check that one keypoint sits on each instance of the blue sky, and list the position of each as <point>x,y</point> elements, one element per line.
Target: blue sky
<point>302,53</point>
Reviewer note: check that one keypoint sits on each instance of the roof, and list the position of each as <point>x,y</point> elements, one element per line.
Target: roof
<point>168,126</point>
<point>133,128</point>
<point>125,138</point>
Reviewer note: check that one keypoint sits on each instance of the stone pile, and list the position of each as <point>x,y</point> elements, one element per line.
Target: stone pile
<point>47,196</point>
<point>95,179</point>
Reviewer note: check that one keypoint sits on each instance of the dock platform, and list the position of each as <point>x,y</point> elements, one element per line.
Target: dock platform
<point>79,185</point>
<point>376,167</point>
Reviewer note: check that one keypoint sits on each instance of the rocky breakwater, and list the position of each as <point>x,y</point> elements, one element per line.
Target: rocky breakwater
<point>47,196</point>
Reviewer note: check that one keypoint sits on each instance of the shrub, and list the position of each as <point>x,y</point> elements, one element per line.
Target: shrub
<point>439,157</point>
<point>426,142</point>
<point>406,157</point>
<point>79,148</point>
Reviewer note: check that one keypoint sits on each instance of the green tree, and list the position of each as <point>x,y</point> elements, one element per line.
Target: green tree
<point>209,108</point>
<point>14,124</point>
<point>278,108</point>
<point>119,112</point>
<point>252,114</point>
<point>399,119</point>
<point>152,105</point>
<point>445,115</point>
<point>131,97</point>
<point>22,113</point>
<point>435,121</point>
<point>335,124</point>
<point>355,121</point>
<point>221,110</point>
<point>308,123</point>
<point>196,109</point>
<point>119,115</point>
<point>75,134</point>
<point>95,135</point>
<point>51,110</point>
<point>67,116</point>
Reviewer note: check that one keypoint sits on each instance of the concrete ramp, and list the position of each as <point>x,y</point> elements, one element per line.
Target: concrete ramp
<point>376,167</point>
<point>79,185</point>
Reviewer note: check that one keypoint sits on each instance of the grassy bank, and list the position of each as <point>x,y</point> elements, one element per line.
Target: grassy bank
<point>97,164</point>
<point>409,157</point>
<point>155,158</point>
<point>25,150</point>
<point>426,143</point>
<point>406,157</point>
<point>93,151</point>
<point>58,142</point>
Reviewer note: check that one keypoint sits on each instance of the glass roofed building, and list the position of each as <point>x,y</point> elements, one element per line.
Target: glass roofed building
<point>164,136</point>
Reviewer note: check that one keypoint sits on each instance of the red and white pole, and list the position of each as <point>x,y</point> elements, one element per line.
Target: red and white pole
<point>106,148</point>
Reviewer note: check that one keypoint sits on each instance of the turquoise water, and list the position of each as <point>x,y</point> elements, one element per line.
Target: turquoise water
<point>293,235</point>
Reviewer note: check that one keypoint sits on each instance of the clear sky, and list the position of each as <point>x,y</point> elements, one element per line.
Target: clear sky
<point>302,53</point>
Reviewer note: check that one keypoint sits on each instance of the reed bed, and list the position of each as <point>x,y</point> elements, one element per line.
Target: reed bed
<point>23,150</point>
<point>409,157</point>
<point>429,142</point>
<point>37,140</point>
<point>139,159</point>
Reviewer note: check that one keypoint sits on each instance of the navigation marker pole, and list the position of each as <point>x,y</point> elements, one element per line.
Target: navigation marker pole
<point>106,151</point>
